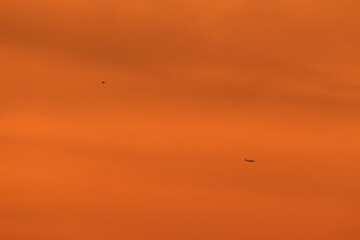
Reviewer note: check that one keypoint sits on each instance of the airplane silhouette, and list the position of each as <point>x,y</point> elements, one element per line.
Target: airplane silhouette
<point>248,160</point>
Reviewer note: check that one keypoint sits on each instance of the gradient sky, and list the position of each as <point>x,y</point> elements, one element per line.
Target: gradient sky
<point>193,87</point>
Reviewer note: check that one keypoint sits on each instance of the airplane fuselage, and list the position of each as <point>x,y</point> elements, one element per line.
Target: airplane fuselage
<point>248,160</point>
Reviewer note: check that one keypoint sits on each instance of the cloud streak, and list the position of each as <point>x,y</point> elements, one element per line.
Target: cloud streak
<point>193,87</point>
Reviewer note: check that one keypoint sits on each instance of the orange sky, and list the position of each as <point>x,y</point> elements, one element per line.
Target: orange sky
<point>193,87</point>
